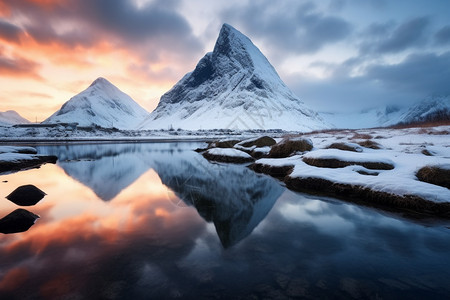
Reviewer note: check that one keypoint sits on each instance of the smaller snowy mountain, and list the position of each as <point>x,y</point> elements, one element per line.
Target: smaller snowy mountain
<point>101,104</point>
<point>233,87</point>
<point>11,117</point>
<point>434,109</point>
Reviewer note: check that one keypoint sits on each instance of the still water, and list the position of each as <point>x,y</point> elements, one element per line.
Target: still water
<point>139,221</point>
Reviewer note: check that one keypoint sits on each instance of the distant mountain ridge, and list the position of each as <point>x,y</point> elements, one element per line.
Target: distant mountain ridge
<point>432,109</point>
<point>232,87</point>
<point>11,117</point>
<point>101,104</point>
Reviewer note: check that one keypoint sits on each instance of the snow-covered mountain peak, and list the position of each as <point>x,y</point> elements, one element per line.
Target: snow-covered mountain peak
<point>232,87</point>
<point>101,104</point>
<point>11,117</point>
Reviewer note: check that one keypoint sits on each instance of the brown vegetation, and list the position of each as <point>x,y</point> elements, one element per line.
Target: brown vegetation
<point>345,147</point>
<point>336,163</point>
<point>227,159</point>
<point>434,175</point>
<point>357,193</point>
<point>259,142</point>
<point>275,171</point>
<point>370,144</point>
<point>289,146</point>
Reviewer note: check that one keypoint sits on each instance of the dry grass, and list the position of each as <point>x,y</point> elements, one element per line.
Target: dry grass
<point>370,144</point>
<point>260,142</point>
<point>361,136</point>
<point>275,171</point>
<point>434,175</point>
<point>287,147</point>
<point>336,163</point>
<point>227,159</point>
<point>344,147</point>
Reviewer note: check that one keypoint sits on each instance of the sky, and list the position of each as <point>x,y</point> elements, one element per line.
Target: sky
<point>336,55</point>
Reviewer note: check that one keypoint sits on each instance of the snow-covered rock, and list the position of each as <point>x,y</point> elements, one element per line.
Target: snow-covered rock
<point>11,117</point>
<point>100,104</point>
<point>233,87</point>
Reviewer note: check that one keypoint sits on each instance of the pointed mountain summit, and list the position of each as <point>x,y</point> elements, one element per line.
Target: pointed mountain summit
<point>232,87</point>
<point>101,104</point>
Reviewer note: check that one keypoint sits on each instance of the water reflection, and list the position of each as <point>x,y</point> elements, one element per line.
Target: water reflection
<point>141,245</point>
<point>234,198</point>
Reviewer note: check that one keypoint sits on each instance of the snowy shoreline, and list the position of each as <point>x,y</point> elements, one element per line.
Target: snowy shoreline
<point>380,167</point>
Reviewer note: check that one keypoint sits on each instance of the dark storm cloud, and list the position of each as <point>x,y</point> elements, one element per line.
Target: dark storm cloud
<point>386,38</point>
<point>18,66</point>
<point>9,31</point>
<point>298,29</point>
<point>403,83</point>
<point>442,37</point>
<point>418,72</point>
<point>120,22</point>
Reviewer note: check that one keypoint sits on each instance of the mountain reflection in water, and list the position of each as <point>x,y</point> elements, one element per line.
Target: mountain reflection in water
<point>234,198</point>
<point>145,242</point>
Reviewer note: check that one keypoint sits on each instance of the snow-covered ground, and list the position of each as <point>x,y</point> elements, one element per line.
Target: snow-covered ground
<point>408,150</point>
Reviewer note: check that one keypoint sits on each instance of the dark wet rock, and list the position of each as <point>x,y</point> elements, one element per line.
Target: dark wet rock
<point>258,142</point>
<point>345,147</point>
<point>336,163</point>
<point>434,175</point>
<point>26,195</point>
<point>290,146</point>
<point>19,220</point>
<point>22,164</point>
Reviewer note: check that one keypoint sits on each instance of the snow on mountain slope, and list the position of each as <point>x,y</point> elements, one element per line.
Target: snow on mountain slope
<point>101,104</point>
<point>375,117</point>
<point>434,109</point>
<point>11,117</point>
<point>233,87</point>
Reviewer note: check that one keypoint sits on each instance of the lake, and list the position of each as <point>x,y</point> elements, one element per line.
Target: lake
<point>157,220</point>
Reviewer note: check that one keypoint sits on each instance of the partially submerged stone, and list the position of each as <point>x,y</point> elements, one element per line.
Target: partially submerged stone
<point>19,220</point>
<point>289,146</point>
<point>26,195</point>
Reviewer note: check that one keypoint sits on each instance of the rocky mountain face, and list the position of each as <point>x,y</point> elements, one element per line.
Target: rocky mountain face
<point>233,87</point>
<point>101,104</point>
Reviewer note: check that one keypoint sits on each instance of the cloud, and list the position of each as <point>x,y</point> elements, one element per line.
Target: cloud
<point>422,73</point>
<point>296,28</point>
<point>402,83</point>
<point>152,30</point>
<point>442,37</point>
<point>9,32</point>
<point>386,38</point>
<point>18,66</point>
